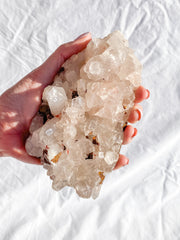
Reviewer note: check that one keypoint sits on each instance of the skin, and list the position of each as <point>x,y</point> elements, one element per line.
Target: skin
<point>19,104</point>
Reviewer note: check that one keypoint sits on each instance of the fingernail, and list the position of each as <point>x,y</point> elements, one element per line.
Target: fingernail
<point>135,132</point>
<point>139,112</point>
<point>147,93</point>
<point>126,162</point>
<point>82,36</point>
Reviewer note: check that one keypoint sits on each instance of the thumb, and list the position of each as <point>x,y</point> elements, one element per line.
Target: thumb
<point>45,73</point>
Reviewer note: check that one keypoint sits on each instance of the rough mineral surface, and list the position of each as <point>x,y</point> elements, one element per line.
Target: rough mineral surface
<point>78,130</point>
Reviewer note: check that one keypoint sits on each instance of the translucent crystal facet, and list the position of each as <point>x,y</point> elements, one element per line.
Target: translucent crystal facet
<point>78,130</point>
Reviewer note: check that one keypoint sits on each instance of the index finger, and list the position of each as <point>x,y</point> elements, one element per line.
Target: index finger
<point>141,94</point>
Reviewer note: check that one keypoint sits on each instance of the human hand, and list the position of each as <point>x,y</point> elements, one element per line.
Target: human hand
<point>135,115</point>
<point>19,104</point>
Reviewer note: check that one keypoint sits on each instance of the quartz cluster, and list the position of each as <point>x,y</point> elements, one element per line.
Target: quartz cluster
<point>78,130</point>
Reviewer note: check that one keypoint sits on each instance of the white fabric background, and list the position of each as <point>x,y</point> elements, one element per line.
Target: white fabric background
<point>140,201</point>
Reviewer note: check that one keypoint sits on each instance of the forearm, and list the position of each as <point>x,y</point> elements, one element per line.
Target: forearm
<point>3,121</point>
<point>1,141</point>
<point>1,137</point>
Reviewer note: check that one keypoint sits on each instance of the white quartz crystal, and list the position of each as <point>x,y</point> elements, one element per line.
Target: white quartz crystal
<point>55,97</point>
<point>78,130</point>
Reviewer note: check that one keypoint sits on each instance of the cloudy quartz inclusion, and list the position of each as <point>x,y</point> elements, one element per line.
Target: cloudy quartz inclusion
<point>78,130</point>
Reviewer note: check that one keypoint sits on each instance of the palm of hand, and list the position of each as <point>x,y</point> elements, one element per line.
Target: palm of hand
<point>19,104</point>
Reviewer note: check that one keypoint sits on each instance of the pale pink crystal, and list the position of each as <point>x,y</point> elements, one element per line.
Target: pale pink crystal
<point>89,100</point>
